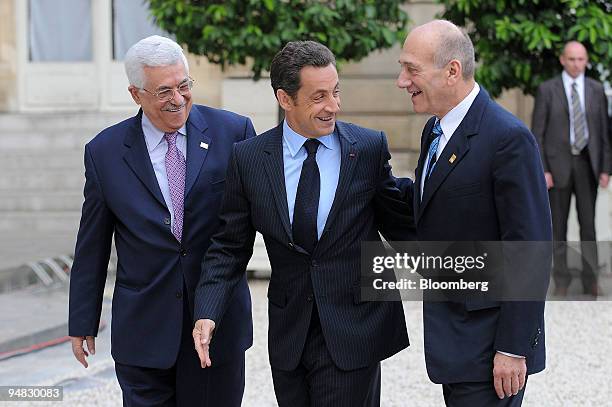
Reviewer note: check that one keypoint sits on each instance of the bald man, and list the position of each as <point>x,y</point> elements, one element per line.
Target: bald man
<point>479,178</point>
<point>570,122</point>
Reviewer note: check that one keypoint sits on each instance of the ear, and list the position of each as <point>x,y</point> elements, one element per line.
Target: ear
<point>284,100</point>
<point>135,93</point>
<point>455,72</point>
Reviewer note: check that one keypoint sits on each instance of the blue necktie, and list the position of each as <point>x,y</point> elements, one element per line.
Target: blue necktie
<point>436,132</point>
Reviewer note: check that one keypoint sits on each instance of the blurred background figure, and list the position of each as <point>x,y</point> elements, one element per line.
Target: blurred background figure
<point>570,122</point>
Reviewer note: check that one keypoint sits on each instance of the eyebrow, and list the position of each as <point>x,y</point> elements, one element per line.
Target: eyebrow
<point>409,64</point>
<point>164,87</point>
<point>318,91</point>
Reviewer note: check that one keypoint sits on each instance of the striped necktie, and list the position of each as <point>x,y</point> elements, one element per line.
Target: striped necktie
<point>580,137</point>
<point>436,132</point>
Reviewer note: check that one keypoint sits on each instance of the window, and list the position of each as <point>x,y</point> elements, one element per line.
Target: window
<point>132,22</point>
<point>60,30</point>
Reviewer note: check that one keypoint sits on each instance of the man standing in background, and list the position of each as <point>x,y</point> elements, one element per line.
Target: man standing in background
<point>155,182</point>
<point>570,122</point>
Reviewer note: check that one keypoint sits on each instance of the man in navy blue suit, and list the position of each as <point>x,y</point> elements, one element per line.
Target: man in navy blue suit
<point>479,178</point>
<point>155,182</point>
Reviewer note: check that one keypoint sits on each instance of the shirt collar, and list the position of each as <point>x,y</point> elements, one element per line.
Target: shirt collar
<point>154,136</point>
<point>452,119</point>
<point>568,80</point>
<point>295,141</point>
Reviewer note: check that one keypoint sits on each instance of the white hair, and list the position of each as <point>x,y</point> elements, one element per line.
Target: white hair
<point>152,51</point>
<point>454,43</point>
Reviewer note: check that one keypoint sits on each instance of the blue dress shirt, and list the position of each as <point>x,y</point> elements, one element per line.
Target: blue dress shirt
<point>328,160</point>
<point>157,147</point>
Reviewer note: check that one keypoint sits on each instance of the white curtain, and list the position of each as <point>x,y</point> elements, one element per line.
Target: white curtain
<point>131,23</point>
<point>60,30</point>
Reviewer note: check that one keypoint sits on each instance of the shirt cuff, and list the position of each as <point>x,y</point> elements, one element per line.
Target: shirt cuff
<point>512,355</point>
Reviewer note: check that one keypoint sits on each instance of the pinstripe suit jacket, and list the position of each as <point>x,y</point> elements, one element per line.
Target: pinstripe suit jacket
<point>357,333</point>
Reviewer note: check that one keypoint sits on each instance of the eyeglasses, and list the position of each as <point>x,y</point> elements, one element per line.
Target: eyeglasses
<point>166,95</point>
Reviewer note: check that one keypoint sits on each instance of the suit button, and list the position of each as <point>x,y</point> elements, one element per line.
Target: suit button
<point>166,221</point>
<point>310,298</point>
<point>179,294</point>
<point>314,263</point>
<point>183,253</point>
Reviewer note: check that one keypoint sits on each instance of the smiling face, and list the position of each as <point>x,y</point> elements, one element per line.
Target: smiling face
<point>574,59</point>
<point>430,89</point>
<point>312,112</point>
<point>166,116</point>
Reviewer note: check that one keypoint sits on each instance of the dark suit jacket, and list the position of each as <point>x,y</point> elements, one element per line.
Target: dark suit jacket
<point>494,190</point>
<point>123,198</point>
<point>356,333</point>
<point>551,127</point>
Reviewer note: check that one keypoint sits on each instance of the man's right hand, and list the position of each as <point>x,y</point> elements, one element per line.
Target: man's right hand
<point>549,180</point>
<point>79,351</point>
<point>202,335</point>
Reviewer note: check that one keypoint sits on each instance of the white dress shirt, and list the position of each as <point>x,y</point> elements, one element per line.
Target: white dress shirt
<point>449,124</point>
<point>567,85</point>
<point>157,147</point>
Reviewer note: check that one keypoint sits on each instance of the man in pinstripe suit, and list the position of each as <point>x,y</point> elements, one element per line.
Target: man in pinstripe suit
<point>315,188</point>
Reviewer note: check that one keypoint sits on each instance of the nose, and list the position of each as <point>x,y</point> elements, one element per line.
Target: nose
<point>334,105</point>
<point>177,98</point>
<point>403,80</point>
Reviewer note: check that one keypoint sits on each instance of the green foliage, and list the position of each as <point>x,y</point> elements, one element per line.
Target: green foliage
<point>518,42</point>
<point>232,32</point>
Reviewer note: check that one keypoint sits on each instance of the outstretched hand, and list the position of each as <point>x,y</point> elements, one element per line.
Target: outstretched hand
<point>202,335</point>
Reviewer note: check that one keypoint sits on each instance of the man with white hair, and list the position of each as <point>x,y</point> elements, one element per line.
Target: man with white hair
<point>155,182</point>
<point>479,178</point>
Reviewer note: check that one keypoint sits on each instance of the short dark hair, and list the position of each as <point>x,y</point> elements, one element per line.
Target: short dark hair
<point>288,62</point>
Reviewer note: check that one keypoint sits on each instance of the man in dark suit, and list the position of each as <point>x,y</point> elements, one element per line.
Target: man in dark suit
<point>570,122</point>
<point>479,178</point>
<point>315,188</point>
<point>155,182</point>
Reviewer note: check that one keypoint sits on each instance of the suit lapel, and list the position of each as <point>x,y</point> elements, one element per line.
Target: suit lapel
<point>422,157</point>
<point>589,99</point>
<point>560,92</point>
<point>349,155</point>
<point>458,146</point>
<point>137,158</point>
<point>198,144</point>
<point>273,164</point>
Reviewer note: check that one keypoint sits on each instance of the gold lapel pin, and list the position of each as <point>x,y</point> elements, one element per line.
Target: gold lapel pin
<point>452,158</point>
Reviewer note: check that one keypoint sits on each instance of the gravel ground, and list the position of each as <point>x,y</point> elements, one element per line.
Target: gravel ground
<point>578,373</point>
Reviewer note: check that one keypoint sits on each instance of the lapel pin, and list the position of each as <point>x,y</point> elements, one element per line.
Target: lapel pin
<point>204,145</point>
<point>352,154</point>
<point>452,158</point>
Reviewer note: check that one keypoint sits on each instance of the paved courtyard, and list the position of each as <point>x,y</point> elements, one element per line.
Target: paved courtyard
<point>578,340</point>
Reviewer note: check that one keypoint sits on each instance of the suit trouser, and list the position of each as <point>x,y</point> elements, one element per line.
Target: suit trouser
<point>318,382</point>
<point>479,394</point>
<point>185,383</point>
<point>584,186</point>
